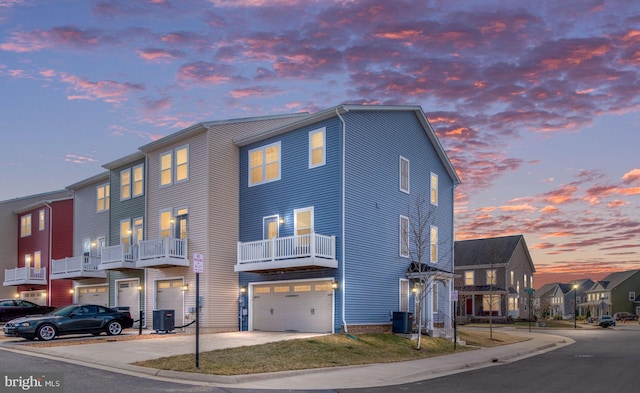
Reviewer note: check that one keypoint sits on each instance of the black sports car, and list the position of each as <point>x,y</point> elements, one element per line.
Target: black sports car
<point>73,319</point>
<point>14,308</point>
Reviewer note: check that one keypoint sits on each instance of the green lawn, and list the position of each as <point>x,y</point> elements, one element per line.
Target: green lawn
<point>323,351</point>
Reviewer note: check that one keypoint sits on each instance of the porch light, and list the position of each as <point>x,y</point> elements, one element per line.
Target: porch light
<point>17,295</point>
<point>334,285</point>
<point>281,220</point>
<point>71,291</point>
<point>243,289</point>
<point>185,288</point>
<point>140,288</point>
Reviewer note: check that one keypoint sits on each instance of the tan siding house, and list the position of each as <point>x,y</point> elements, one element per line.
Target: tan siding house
<point>198,204</point>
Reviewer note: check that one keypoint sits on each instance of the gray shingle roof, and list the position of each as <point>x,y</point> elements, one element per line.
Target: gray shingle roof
<point>495,250</point>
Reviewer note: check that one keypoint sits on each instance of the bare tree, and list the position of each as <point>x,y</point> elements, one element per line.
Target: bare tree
<point>421,220</point>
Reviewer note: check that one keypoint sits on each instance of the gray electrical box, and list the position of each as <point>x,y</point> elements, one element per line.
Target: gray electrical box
<point>164,320</point>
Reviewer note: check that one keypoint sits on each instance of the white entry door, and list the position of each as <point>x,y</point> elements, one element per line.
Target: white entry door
<point>301,306</point>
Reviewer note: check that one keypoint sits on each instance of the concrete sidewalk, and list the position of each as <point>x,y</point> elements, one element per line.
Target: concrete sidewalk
<point>117,356</point>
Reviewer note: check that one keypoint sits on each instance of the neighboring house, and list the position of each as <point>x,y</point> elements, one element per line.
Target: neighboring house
<point>45,232</point>
<point>493,277</point>
<point>325,206</point>
<point>127,178</point>
<point>617,292</point>
<point>192,208</point>
<point>9,233</point>
<point>562,304</point>
<point>542,300</point>
<point>91,203</point>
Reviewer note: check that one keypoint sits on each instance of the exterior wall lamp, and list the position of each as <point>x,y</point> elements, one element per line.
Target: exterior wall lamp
<point>185,288</point>
<point>334,285</point>
<point>281,220</point>
<point>243,290</point>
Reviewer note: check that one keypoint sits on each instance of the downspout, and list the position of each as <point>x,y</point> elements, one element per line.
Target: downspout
<point>342,245</point>
<point>50,250</point>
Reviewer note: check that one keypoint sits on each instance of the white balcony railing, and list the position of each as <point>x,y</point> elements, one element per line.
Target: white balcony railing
<point>25,275</point>
<point>167,251</point>
<point>291,251</point>
<point>122,256</point>
<point>166,247</point>
<point>76,267</point>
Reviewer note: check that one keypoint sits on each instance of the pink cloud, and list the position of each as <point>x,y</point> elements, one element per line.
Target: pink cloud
<point>58,36</point>
<point>79,159</point>
<point>156,54</point>
<point>202,71</point>
<point>258,91</point>
<point>632,176</point>
<point>106,90</point>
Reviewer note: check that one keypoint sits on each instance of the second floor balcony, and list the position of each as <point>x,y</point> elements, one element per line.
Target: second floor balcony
<point>120,257</point>
<point>83,266</point>
<point>287,253</point>
<point>164,252</point>
<point>25,276</point>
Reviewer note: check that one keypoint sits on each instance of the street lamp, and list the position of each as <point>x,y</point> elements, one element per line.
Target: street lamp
<point>575,305</point>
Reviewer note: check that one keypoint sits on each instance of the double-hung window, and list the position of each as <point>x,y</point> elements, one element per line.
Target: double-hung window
<point>404,175</point>
<point>125,184</point>
<point>174,166</point>
<point>404,236</point>
<point>434,245</point>
<point>25,225</point>
<point>41,220</point>
<point>491,277</point>
<point>264,164</point>
<point>434,189</point>
<point>469,278</point>
<point>102,198</point>
<point>317,147</point>
<point>138,180</point>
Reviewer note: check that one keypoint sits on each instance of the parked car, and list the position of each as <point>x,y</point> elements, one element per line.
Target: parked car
<point>73,319</point>
<point>625,316</point>
<point>606,321</point>
<point>14,308</point>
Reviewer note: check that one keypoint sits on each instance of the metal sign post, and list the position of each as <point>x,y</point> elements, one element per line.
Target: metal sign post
<point>198,267</point>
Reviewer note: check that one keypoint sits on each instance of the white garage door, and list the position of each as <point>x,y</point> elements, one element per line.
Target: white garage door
<point>169,296</point>
<point>300,306</point>
<point>94,295</point>
<point>129,296</point>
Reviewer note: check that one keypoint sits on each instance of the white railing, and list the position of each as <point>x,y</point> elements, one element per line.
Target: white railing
<point>79,264</point>
<point>166,247</point>
<point>291,247</point>
<point>121,254</point>
<point>22,274</point>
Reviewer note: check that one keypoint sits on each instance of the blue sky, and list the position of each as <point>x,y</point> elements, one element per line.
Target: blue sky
<point>536,104</point>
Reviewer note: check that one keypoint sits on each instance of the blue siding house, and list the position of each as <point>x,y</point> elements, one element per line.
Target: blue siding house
<point>328,209</point>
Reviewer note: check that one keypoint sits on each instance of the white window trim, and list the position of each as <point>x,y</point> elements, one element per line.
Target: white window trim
<point>268,218</point>
<point>403,219</point>
<point>106,198</point>
<point>433,187</point>
<point>295,218</point>
<point>434,298</point>
<point>122,198</point>
<point>432,227</point>
<point>133,181</point>
<point>42,217</point>
<point>175,164</point>
<point>404,282</point>
<point>473,277</point>
<point>171,217</point>
<point>323,131</point>
<point>264,164</point>
<point>23,220</point>
<point>170,154</point>
<point>408,188</point>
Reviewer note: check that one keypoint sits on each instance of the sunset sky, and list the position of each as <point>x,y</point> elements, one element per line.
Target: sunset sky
<point>537,103</point>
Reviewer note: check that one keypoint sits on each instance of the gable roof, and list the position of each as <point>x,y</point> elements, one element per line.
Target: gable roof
<point>337,111</point>
<point>489,251</point>
<point>613,280</point>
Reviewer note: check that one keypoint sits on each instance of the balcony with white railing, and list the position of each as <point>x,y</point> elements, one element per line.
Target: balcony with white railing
<point>25,276</point>
<point>83,266</point>
<point>120,257</point>
<point>165,252</point>
<point>291,253</point>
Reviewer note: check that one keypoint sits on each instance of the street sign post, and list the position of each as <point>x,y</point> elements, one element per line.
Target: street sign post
<point>198,267</point>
